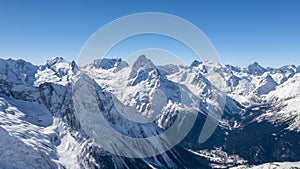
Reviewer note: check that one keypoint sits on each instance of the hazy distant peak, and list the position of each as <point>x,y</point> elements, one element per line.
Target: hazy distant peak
<point>256,68</point>
<point>54,60</point>
<point>233,68</point>
<point>141,63</point>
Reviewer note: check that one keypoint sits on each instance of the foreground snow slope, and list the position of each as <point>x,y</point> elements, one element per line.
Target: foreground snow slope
<point>275,165</point>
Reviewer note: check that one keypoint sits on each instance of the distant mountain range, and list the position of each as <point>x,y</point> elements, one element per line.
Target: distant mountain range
<point>40,125</point>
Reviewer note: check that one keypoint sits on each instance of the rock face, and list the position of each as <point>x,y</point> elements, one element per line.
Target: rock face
<point>41,111</point>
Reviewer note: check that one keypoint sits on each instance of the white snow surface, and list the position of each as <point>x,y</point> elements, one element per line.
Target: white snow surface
<point>273,165</point>
<point>39,136</point>
<point>286,100</point>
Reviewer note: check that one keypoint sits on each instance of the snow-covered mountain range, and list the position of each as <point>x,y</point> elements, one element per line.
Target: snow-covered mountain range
<point>41,109</point>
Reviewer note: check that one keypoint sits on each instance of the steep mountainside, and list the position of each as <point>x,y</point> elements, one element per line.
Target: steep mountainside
<point>48,112</point>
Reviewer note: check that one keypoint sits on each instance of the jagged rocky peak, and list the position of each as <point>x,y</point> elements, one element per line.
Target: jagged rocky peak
<point>233,68</point>
<point>106,63</point>
<point>198,65</point>
<point>115,64</point>
<point>170,68</point>
<point>195,63</point>
<point>269,78</point>
<point>142,63</point>
<point>289,69</point>
<point>54,60</point>
<point>256,69</point>
<point>51,110</point>
<point>120,64</point>
<point>266,85</point>
<point>56,70</point>
<point>74,65</point>
<point>59,63</point>
<point>17,71</point>
<point>17,65</point>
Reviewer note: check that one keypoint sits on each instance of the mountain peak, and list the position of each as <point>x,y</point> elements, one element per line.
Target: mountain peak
<point>54,60</point>
<point>141,63</point>
<point>11,61</point>
<point>195,63</point>
<point>254,65</point>
<point>107,63</point>
<point>233,68</point>
<point>60,63</point>
<point>17,71</point>
<point>142,57</point>
<point>56,102</point>
<point>256,69</point>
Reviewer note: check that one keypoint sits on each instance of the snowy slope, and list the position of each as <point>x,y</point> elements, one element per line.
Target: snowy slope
<point>286,99</point>
<point>274,165</point>
<point>15,153</point>
<point>40,122</point>
<point>26,127</point>
<point>56,70</point>
<point>17,71</point>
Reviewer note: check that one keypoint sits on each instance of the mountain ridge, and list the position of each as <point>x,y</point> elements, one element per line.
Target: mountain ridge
<point>254,100</point>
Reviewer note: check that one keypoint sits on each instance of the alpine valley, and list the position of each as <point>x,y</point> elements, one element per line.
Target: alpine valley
<point>39,125</point>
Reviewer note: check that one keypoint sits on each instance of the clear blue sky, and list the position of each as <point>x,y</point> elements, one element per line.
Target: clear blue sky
<point>266,31</point>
